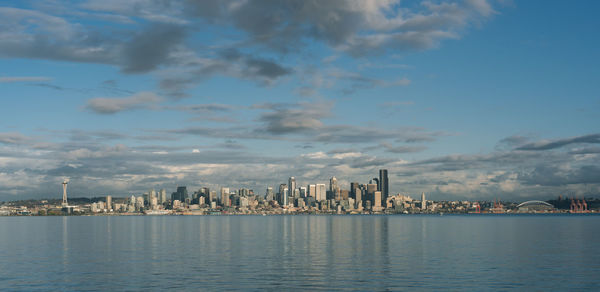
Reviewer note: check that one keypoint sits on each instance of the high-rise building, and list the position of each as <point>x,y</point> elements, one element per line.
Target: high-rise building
<point>371,188</point>
<point>282,195</point>
<point>269,195</point>
<point>312,191</point>
<point>108,203</point>
<point>321,192</point>
<point>213,196</point>
<point>151,195</point>
<point>163,196</point>
<point>303,192</point>
<point>292,186</point>
<point>423,202</point>
<point>225,197</point>
<point>376,201</point>
<point>333,184</point>
<point>384,184</point>
<point>181,194</point>
<point>353,188</point>
<point>358,197</point>
<point>139,203</point>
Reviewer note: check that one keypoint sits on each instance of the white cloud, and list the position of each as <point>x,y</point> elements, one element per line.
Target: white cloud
<point>23,79</point>
<point>103,105</point>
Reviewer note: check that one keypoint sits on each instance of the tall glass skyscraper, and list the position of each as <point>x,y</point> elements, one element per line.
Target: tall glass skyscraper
<point>384,184</point>
<point>291,188</point>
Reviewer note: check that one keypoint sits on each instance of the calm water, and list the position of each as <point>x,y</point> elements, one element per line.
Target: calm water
<point>300,252</point>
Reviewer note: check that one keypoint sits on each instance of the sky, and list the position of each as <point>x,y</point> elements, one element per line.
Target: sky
<point>473,99</point>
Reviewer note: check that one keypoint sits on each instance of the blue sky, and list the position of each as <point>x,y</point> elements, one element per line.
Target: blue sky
<point>465,99</point>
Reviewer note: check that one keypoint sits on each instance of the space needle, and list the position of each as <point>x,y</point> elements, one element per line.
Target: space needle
<point>64,201</point>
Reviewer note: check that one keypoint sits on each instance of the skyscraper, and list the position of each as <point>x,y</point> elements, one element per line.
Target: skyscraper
<point>151,195</point>
<point>292,186</point>
<point>303,192</point>
<point>321,192</point>
<point>358,197</point>
<point>108,203</point>
<point>423,202</point>
<point>163,196</point>
<point>312,191</point>
<point>181,194</point>
<point>353,188</point>
<point>282,196</point>
<point>334,189</point>
<point>225,197</point>
<point>269,195</point>
<point>376,203</point>
<point>384,184</point>
<point>333,185</point>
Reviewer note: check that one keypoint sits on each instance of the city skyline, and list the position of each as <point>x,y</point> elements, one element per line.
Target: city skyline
<point>465,99</point>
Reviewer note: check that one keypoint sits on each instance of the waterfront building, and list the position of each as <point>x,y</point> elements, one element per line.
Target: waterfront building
<point>423,202</point>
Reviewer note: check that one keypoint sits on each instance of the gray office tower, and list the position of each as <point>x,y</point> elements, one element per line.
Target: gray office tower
<point>181,194</point>
<point>384,184</point>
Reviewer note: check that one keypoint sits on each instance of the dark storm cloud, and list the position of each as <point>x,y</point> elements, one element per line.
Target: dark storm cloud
<point>150,35</point>
<point>151,48</point>
<point>265,68</point>
<point>285,119</point>
<point>550,175</point>
<point>360,27</point>
<point>547,145</point>
<point>228,62</point>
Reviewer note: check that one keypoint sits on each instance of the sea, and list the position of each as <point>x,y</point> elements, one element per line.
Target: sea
<point>301,252</point>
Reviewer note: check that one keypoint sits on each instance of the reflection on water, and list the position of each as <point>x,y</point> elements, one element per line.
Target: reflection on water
<point>299,252</point>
